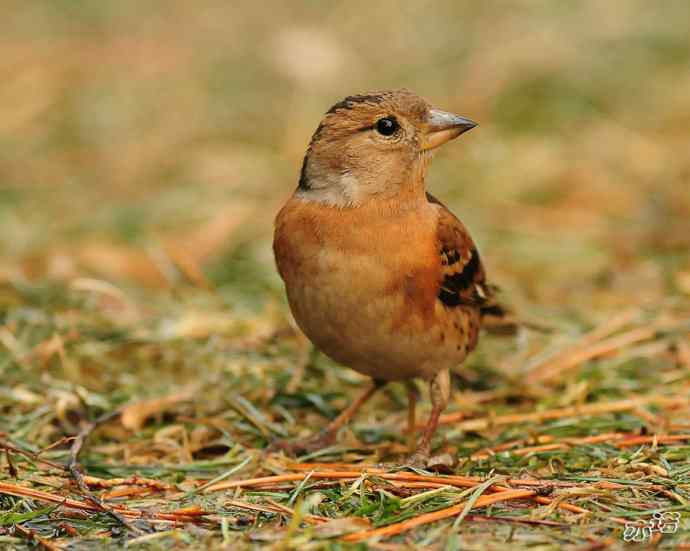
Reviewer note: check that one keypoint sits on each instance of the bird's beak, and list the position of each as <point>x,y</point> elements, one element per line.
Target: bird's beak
<point>443,127</point>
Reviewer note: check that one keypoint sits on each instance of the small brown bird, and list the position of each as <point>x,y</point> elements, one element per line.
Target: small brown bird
<point>380,275</point>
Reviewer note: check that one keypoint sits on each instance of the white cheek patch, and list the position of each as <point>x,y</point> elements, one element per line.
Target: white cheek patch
<point>335,190</point>
<point>350,187</point>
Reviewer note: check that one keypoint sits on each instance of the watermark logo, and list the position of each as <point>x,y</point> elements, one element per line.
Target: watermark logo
<point>664,523</point>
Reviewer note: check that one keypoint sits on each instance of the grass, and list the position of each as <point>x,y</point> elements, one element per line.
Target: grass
<point>143,154</point>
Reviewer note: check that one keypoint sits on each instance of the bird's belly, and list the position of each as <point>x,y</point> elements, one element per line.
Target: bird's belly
<point>350,310</point>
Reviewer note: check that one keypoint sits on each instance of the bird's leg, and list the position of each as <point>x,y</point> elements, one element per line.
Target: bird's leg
<point>331,430</point>
<point>327,436</point>
<point>412,396</point>
<point>439,389</point>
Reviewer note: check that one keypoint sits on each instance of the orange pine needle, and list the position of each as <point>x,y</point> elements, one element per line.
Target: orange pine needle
<point>599,408</point>
<point>400,527</point>
<point>666,439</point>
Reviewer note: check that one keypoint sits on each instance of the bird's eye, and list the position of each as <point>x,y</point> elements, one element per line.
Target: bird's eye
<point>387,126</point>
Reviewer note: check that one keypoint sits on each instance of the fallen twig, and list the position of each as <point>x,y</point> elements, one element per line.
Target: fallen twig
<point>33,456</point>
<point>263,481</point>
<point>75,470</point>
<point>188,514</point>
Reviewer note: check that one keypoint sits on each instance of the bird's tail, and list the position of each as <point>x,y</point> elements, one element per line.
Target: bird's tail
<point>497,319</point>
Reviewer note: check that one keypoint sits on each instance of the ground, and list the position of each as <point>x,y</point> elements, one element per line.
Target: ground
<point>144,152</point>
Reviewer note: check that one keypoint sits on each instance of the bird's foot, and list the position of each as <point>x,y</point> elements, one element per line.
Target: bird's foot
<point>442,463</point>
<point>417,460</point>
<point>304,445</point>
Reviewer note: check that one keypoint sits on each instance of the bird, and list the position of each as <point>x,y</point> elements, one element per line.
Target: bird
<point>380,275</point>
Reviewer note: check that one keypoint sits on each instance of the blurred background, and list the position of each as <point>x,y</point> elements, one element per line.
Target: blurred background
<point>150,144</point>
<point>146,147</point>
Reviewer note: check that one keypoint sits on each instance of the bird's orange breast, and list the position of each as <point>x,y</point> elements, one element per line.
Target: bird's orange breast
<point>362,283</point>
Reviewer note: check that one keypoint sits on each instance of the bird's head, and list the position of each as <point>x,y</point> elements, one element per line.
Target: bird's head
<point>375,145</point>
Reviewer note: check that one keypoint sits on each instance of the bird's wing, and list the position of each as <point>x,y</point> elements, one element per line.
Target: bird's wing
<point>463,280</point>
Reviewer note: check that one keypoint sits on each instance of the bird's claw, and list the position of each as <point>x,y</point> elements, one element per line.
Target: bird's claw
<point>418,460</point>
<point>442,463</point>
